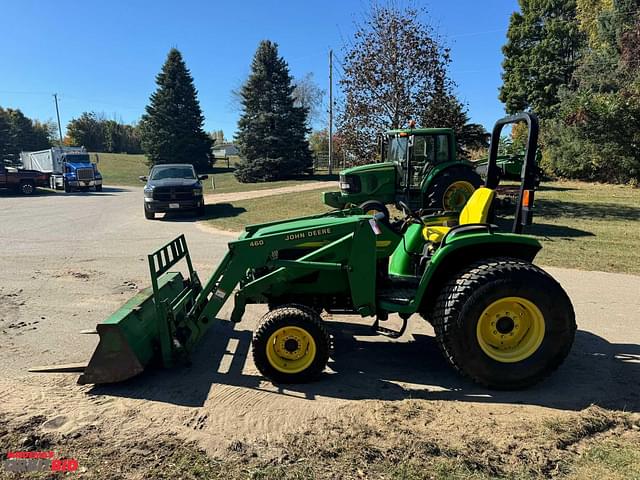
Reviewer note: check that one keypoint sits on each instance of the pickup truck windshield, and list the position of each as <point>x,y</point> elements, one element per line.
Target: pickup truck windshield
<point>160,173</point>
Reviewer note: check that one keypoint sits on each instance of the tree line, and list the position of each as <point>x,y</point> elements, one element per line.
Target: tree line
<point>19,133</point>
<point>576,63</point>
<point>98,134</point>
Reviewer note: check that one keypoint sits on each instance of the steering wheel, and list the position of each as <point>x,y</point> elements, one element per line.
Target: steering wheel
<point>408,212</point>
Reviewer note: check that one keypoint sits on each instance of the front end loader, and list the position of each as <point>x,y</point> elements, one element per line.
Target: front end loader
<point>498,319</point>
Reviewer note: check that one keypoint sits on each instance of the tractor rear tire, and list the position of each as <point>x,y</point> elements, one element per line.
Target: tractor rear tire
<point>371,207</point>
<point>451,189</point>
<point>291,345</point>
<point>504,323</point>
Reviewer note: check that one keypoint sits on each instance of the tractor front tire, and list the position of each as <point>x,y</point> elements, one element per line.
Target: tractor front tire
<point>371,207</point>
<point>504,323</point>
<point>291,345</point>
<point>451,189</point>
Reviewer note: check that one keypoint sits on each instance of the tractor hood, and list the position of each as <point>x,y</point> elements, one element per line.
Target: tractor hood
<point>371,168</point>
<point>310,227</point>
<point>376,181</point>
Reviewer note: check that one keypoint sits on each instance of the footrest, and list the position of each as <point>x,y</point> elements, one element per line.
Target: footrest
<point>387,332</point>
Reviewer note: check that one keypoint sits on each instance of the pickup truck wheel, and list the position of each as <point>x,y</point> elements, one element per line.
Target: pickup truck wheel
<point>504,322</point>
<point>27,187</point>
<point>291,345</point>
<point>98,188</point>
<point>67,187</point>
<point>149,215</point>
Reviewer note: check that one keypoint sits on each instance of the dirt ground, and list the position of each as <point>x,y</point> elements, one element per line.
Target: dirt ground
<point>68,261</point>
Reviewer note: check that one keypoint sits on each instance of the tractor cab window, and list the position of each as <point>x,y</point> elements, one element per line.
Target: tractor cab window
<point>423,156</point>
<point>442,149</point>
<point>397,150</point>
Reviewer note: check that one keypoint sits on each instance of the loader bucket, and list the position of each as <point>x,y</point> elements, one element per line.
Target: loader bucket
<point>144,330</point>
<point>130,339</point>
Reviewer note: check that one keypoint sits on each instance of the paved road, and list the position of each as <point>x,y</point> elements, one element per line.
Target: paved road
<point>68,261</point>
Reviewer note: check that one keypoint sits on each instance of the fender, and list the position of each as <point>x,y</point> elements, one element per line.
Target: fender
<point>461,250</point>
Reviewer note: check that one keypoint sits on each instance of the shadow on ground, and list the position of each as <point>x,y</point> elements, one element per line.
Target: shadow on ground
<point>216,210</point>
<point>596,372</point>
<point>554,188</point>
<point>584,210</point>
<point>549,230</point>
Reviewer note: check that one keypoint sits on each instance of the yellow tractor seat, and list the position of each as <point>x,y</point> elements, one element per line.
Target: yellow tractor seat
<point>475,211</point>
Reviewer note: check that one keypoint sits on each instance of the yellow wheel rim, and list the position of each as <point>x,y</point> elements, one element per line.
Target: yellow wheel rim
<point>291,349</point>
<point>456,196</point>
<point>372,211</point>
<point>510,329</point>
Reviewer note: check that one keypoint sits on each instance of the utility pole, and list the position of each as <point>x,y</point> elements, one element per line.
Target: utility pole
<point>330,111</point>
<point>55,96</point>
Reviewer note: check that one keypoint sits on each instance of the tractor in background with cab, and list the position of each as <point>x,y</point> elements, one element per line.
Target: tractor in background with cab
<point>419,166</point>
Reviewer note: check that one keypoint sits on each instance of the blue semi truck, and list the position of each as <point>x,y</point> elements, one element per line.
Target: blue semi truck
<point>70,168</point>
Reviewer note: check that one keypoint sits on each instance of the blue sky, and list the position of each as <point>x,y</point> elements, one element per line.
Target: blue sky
<point>103,56</point>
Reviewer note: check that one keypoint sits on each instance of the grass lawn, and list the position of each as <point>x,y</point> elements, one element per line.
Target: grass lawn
<point>124,169</point>
<point>580,225</point>
<point>589,226</point>
<point>121,168</point>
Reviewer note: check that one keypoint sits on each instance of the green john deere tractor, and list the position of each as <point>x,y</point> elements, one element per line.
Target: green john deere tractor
<point>498,318</point>
<point>419,167</point>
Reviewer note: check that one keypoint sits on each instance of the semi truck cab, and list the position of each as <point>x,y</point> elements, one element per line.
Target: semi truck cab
<point>79,172</point>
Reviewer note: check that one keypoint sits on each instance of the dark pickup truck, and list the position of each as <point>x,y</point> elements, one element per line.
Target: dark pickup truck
<point>22,181</point>
<point>172,187</point>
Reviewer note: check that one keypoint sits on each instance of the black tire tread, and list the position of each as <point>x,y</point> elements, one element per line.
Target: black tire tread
<point>462,285</point>
<point>439,185</point>
<point>279,316</point>
<point>381,207</point>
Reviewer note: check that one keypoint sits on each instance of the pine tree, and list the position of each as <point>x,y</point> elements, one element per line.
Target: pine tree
<point>7,143</point>
<point>272,130</point>
<point>172,127</point>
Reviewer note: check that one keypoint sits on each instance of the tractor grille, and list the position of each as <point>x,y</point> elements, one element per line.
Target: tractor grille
<point>85,174</point>
<point>167,194</point>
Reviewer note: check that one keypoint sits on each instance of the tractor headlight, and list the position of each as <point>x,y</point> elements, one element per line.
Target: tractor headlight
<point>350,183</point>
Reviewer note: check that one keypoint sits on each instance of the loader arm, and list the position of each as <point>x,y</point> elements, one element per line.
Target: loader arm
<point>163,323</point>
